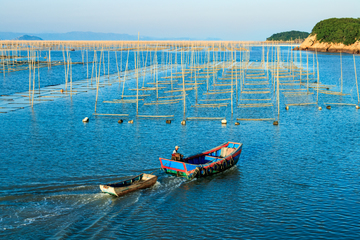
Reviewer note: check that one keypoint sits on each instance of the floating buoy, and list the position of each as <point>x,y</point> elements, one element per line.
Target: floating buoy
<point>223,121</point>
<point>357,107</point>
<point>275,123</point>
<point>237,123</point>
<point>85,119</point>
<point>168,121</point>
<point>61,90</point>
<point>328,107</point>
<point>131,121</point>
<point>120,121</point>
<point>183,122</point>
<point>287,108</point>
<point>320,108</point>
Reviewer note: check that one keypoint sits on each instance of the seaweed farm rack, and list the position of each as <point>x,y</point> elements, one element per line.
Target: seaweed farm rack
<point>187,80</point>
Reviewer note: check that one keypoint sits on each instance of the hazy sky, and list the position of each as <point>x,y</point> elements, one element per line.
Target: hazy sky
<point>226,19</point>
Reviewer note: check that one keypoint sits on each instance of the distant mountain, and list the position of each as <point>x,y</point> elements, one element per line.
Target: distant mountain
<point>28,37</point>
<point>90,36</point>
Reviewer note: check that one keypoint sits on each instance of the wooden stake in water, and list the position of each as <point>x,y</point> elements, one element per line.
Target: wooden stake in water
<point>39,57</point>
<point>34,74</point>
<point>318,79</point>
<point>70,78</point>
<point>108,65</point>
<point>117,67</point>
<point>307,72</point>
<point>137,76</point>
<point>183,77</point>
<point>267,62</point>
<point>98,80</point>
<point>87,65</point>
<point>357,87</point>
<point>341,73</point>
<point>232,77</point>
<point>145,65</point>
<point>93,67</point>
<point>277,90</point>
<point>49,58</point>
<point>300,66</point>
<point>126,68</point>
<point>29,61</point>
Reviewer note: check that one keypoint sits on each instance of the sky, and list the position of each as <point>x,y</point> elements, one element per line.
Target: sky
<point>226,19</point>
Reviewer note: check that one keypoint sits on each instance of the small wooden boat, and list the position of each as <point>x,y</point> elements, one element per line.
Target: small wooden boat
<point>204,164</point>
<point>121,188</point>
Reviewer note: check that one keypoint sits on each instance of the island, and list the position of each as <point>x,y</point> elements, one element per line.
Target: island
<point>296,36</point>
<point>28,38</point>
<point>334,35</point>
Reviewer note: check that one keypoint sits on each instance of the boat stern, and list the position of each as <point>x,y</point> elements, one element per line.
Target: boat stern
<point>180,169</point>
<point>107,189</point>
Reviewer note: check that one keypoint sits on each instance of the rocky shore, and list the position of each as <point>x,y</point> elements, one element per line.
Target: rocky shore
<point>311,44</point>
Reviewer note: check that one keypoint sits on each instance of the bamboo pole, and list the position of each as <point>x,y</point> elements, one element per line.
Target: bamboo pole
<point>300,65</point>
<point>126,69</point>
<point>232,76</point>
<point>357,87</point>
<point>70,77</point>
<point>318,79</point>
<point>29,61</point>
<point>98,80</point>
<point>137,76</point>
<point>145,66</point>
<point>87,65</point>
<point>307,71</point>
<point>117,67</point>
<point>278,96</point>
<point>34,75</point>
<point>183,76</point>
<point>341,75</point>
<point>39,56</point>
<point>93,66</point>
<point>108,65</point>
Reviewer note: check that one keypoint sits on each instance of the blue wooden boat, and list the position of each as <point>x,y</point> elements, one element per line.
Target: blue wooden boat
<point>204,164</point>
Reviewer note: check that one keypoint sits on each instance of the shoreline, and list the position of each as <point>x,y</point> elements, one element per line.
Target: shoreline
<point>311,44</point>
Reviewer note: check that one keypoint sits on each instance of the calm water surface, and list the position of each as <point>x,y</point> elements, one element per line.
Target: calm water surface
<point>298,180</point>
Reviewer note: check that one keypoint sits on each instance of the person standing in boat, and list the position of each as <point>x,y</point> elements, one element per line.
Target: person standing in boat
<point>176,155</point>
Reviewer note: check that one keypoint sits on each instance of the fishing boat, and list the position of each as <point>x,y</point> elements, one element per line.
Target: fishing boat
<point>121,188</point>
<point>204,164</point>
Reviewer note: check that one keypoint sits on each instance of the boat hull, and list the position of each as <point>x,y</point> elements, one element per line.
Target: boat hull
<point>146,181</point>
<point>204,164</point>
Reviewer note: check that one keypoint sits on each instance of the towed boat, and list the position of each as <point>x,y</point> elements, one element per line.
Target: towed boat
<point>121,188</point>
<point>204,164</point>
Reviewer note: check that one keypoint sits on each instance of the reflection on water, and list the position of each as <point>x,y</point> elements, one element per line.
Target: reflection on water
<point>296,180</point>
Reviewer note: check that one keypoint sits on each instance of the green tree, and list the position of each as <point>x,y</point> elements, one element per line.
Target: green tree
<point>338,30</point>
<point>287,36</point>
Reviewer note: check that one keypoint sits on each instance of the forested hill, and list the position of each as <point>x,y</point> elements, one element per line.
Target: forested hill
<point>338,30</point>
<point>288,36</point>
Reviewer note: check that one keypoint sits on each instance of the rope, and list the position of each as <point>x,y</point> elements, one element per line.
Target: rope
<point>155,170</point>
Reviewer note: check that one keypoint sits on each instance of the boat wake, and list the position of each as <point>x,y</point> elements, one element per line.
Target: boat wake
<point>46,204</point>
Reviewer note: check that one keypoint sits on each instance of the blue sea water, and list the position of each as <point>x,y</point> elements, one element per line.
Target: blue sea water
<point>297,180</point>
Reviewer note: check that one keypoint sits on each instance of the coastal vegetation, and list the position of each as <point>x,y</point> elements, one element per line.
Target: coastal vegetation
<point>288,36</point>
<point>337,30</point>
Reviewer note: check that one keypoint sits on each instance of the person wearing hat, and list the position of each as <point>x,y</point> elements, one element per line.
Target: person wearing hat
<point>176,149</point>
<point>176,155</point>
